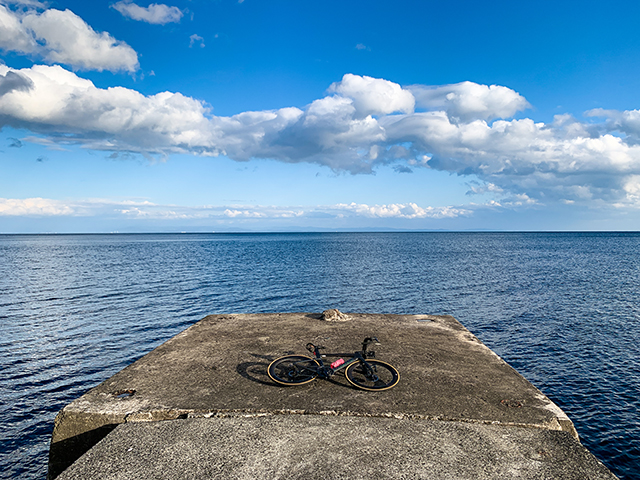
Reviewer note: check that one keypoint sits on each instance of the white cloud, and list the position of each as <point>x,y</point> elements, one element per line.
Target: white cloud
<point>34,207</point>
<point>243,213</point>
<point>26,3</point>
<point>143,209</point>
<point>374,96</point>
<point>398,210</point>
<point>14,37</point>
<point>631,187</point>
<point>69,40</point>
<point>63,37</point>
<point>524,161</point>
<point>156,13</point>
<point>63,102</point>
<point>627,122</point>
<point>470,101</point>
<point>480,189</point>
<point>196,38</point>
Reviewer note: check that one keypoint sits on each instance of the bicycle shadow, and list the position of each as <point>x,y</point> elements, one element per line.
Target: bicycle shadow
<point>257,371</point>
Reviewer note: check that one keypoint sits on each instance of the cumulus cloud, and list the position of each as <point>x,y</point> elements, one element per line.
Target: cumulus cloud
<point>627,122</point>
<point>110,119</point>
<point>631,187</point>
<point>63,37</point>
<point>14,37</point>
<point>374,96</point>
<point>156,13</point>
<point>360,124</point>
<point>469,101</point>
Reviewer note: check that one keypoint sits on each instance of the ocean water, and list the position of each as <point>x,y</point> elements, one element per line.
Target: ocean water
<point>561,308</point>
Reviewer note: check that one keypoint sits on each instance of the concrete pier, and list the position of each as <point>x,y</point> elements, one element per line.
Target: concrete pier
<point>202,405</point>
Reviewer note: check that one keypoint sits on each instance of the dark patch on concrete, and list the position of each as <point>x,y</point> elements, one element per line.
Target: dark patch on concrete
<point>123,393</point>
<point>62,452</point>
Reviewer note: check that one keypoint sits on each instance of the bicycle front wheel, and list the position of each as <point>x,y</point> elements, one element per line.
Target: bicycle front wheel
<point>372,375</point>
<point>293,370</point>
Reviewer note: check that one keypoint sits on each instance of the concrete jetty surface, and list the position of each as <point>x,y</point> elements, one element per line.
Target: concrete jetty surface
<point>202,406</point>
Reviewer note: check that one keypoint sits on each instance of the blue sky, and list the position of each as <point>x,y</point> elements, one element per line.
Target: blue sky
<point>227,115</point>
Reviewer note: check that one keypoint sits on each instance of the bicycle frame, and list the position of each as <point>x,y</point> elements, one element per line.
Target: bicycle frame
<point>327,371</point>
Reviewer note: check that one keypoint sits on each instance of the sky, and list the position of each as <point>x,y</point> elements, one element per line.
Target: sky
<point>274,115</point>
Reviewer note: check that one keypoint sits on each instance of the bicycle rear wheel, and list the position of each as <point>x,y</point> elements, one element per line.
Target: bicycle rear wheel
<point>372,375</point>
<point>293,370</point>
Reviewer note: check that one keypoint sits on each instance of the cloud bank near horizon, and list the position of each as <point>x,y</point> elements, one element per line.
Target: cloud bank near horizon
<point>141,210</point>
<point>361,124</point>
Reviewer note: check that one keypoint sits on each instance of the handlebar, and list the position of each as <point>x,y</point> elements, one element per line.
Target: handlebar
<point>313,348</point>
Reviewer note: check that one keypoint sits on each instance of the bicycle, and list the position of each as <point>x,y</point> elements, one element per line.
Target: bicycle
<point>361,370</point>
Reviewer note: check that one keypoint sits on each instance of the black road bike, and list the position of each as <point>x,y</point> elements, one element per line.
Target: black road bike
<point>361,370</point>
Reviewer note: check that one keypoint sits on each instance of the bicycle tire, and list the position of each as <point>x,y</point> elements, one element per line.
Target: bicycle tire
<point>383,377</point>
<point>293,370</point>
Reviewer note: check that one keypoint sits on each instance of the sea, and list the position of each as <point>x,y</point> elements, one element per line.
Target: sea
<point>561,308</point>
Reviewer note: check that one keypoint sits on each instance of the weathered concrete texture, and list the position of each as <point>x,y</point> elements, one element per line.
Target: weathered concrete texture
<point>219,365</point>
<point>315,447</point>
